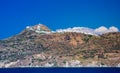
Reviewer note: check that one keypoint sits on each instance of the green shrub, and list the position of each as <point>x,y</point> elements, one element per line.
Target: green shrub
<point>86,39</point>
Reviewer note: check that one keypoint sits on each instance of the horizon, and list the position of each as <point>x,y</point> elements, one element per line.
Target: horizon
<point>61,14</point>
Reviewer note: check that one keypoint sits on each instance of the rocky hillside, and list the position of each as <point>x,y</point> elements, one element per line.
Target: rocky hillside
<point>38,46</point>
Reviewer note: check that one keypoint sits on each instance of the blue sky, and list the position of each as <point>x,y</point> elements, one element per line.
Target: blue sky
<point>15,15</point>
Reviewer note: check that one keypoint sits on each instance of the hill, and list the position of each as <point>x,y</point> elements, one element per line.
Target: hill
<point>38,46</point>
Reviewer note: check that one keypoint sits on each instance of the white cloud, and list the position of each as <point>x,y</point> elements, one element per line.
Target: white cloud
<point>86,30</point>
<point>77,30</point>
<point>113,29</point>
<point>103,29</point>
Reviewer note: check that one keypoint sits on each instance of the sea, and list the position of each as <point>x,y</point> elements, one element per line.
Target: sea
<point>60,70</point>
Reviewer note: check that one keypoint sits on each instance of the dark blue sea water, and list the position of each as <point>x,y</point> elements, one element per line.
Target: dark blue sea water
<point>60,70</point>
